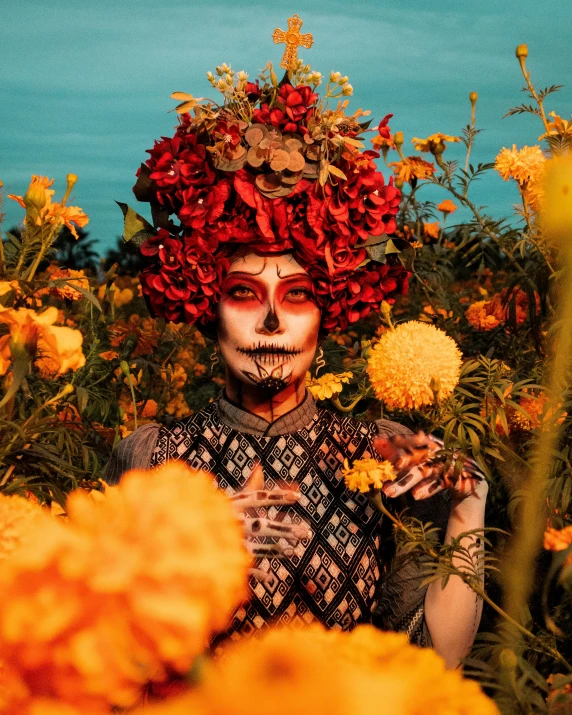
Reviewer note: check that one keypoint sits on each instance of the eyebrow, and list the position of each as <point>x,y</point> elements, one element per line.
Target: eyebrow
<point>254,275</point>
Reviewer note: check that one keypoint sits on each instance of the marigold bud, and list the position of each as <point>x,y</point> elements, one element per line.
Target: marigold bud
<point>521,51</point>
<point>1,183</point>
<point>399,183</point>
<point>398,139</point>
<point>473,96</point>
<point>71,181</point>
<point>210,76</point>
<point>35,198</point>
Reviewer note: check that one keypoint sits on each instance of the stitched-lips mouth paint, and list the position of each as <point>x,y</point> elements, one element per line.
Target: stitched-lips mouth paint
<point>269,353</point>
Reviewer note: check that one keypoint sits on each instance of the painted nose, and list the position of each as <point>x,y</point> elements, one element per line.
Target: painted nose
<point>271,324</point>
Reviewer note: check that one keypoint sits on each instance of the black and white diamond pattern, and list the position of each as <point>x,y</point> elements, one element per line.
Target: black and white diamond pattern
<point>331,577</point>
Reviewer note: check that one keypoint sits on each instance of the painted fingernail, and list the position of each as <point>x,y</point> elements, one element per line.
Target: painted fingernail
<point>391,491</point>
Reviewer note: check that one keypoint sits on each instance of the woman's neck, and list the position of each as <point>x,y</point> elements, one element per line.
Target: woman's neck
<point>260,403</point>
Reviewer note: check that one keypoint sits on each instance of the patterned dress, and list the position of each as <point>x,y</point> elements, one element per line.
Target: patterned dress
<point>333,577</point>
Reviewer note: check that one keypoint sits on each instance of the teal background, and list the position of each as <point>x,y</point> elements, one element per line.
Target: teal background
<point>85,85</point>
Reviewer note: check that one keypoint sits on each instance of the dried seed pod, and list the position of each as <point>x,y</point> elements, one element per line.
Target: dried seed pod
<point>296,162</point>
<point>255,157</point>
<point>293,144</point>
<point>255,134</point>
<point>280,160</point>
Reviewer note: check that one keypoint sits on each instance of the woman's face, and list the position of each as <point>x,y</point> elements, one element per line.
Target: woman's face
<point>268,321</point>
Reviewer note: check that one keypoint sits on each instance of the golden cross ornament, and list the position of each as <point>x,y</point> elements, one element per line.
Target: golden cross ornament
<point>293,40</point>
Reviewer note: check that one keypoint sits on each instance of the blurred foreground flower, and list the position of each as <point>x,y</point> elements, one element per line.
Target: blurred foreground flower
<point>364,672</point>
<point>328,385</point>
<point>367,474</point>
<point>17,518</point>
<point>556,216</point>
<point>131,587</point>
<point>27,328</point>
<point>413,365</point>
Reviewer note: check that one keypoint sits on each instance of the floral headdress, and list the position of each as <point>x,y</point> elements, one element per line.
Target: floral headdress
<point>274,168</point>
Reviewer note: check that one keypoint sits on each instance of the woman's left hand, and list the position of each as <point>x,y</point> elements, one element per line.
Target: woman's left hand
<point>423,473</point>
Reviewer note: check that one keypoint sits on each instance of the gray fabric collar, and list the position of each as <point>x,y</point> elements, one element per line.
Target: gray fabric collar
<point>246,422</point>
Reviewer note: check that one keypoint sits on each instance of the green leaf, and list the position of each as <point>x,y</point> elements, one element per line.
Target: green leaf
<point>20,369</point>
<point>86,293</point>
<point>376,252</point>
<point>134,224</point>
<point>82,398</point>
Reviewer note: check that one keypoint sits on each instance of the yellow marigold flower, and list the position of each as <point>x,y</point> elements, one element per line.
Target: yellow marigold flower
<point>407,363</point>
<point>366,474</point>
<point>447,207</point>
<point>558,127</point>
<point>556,215</point>
<point>434,144</point>
<point>538,415</point>
<point>414,167</point>
<point>175,375</point>
<point>523,165</point>
<point>331,673</point>
<point>132,586</point>
<point>558,540</point>
<point>431,230</point>
<point>18,516</point>
<point>27,327</point>
<point>328,385</point>
<point>178,406</point>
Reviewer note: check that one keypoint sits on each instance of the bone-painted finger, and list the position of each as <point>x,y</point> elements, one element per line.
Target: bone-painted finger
<point>271,528</point>
<point>260,575</point>
<point>398,487</point>
<point>264,550</point>
<point>427,488</point>
<point>265,497</point>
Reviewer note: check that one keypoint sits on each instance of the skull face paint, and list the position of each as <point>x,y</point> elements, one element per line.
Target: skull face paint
<point>268,321</point>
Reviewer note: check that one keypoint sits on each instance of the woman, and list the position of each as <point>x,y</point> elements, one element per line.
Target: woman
<point>271,253</point>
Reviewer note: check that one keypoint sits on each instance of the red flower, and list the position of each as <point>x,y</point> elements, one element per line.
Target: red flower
<point>252,90</point>
<point>383,128</point>
<point>294,106</point>
<point>227,133</point>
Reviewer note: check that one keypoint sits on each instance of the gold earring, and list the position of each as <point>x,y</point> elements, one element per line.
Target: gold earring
<point>320,362</point>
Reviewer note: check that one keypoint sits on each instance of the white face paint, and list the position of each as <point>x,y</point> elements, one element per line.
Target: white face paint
<point>268,322</point>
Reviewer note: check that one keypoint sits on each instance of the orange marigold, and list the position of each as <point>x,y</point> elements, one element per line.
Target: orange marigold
<point>414,167</point>
<point>141,330</point>
<point>147,574</point>
<point>68,280</point>
<point>447,207</point>
<point>331,673</point>
<point>537,413</point>
<point>410,364</point>
<point>431,230</point>
<point>489,314</point>
<point>435,143</point>
<point>522,165</point>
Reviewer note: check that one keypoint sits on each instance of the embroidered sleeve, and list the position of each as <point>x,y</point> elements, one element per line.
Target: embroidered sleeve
<point>133,452</point>
<point>400,597</point>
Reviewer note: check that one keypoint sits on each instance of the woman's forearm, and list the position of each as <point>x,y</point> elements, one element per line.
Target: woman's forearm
<point>453,613</point>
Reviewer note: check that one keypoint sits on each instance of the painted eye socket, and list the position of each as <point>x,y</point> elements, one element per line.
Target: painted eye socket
<point>298,295</point>
<point>241,292</point>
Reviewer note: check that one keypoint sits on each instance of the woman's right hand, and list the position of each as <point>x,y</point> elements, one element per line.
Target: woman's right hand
<point>280,539</point>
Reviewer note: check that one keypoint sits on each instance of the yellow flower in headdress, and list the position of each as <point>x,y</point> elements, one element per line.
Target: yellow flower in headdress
<point>413,365</point>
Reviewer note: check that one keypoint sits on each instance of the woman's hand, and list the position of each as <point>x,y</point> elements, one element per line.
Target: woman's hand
<point>422,471</point>
<point>280,538</point>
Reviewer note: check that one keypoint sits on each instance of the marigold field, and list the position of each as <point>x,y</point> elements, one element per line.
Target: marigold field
<point>478,352</point>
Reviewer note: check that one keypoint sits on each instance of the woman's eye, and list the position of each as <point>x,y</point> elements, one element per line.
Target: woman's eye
<point>241,292</point>
<point>298,294</point>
